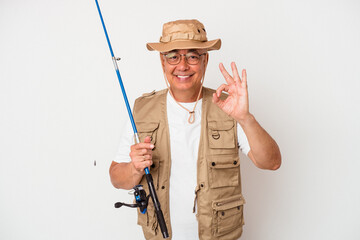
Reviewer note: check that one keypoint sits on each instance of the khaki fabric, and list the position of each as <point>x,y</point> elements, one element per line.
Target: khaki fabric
<point>184,34</point>
<point>219,201</point>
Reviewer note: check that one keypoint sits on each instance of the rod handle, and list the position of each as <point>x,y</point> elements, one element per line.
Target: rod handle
<point>157,206</point>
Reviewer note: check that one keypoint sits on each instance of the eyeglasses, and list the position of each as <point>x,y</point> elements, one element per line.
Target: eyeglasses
<point>174,58</point>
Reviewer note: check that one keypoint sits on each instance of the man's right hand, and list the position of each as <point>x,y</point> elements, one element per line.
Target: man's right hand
<point>141,155</point>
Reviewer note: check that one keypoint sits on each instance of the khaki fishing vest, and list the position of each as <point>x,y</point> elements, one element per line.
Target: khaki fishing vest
<point>218,192</point>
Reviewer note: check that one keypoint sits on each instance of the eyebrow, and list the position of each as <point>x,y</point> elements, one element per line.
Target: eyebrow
<point>176,51</point>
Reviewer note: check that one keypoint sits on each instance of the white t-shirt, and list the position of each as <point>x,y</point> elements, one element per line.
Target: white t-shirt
<point>184,144</point>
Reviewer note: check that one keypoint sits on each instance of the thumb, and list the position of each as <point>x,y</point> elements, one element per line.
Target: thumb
<point>217,101</point>
<point>147,139</point>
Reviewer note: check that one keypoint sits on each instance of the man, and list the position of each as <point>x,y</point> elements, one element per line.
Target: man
<point>190,137</point>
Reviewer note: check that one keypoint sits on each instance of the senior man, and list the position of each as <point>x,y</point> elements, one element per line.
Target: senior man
<point>190,139</point>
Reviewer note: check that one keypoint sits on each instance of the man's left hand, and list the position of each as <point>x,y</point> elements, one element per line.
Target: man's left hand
<point>237,103</point>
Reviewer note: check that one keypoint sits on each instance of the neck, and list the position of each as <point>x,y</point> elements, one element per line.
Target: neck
<point>186,96</point>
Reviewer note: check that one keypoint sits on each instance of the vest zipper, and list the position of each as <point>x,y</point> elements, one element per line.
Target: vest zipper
<point>197,189</point>
<point>155,224</point>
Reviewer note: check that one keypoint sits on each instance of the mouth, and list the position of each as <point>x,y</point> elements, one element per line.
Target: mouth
<point>184,77</point>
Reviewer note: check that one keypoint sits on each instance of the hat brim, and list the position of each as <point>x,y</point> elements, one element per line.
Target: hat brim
<point>184,44</point>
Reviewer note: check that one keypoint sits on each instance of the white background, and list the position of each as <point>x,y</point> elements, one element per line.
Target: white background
<point>61,109</point>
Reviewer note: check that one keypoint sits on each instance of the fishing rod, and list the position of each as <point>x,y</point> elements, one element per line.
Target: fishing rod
<point>148,176</point>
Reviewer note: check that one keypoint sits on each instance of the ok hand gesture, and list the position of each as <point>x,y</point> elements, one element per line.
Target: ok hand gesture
<point>237,103</point>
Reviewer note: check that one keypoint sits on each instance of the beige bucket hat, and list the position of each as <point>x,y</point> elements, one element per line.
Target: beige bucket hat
<point>184,34</point>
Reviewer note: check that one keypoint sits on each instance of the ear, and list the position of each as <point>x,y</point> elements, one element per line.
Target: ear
<point>206,60</point>
<point>162,60</point>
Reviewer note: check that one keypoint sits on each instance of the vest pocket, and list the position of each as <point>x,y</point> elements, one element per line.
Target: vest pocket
<point>224,171</point>
<point>147,129</point>
<point>227,215</point>
<point>221,134</point>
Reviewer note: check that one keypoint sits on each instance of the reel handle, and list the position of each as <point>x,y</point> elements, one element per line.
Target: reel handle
<point>120,204</point>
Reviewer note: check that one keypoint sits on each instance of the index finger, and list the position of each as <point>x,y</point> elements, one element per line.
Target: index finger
<point>227,76</point>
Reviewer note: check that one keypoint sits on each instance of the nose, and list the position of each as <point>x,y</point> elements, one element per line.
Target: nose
<point>183,65</point>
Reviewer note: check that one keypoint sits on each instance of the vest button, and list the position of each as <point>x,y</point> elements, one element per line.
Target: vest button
<point>213,163</point>
<point>153,165</point>
<point>201,185</point>
<point>162,187</point>
<point>223,213</point>
<point>235,162</point>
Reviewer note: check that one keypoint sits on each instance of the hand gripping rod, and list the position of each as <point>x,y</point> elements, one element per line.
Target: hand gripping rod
<point>148,176</point>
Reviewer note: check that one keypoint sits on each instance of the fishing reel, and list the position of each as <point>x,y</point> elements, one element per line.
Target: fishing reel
<point>140,198</point>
